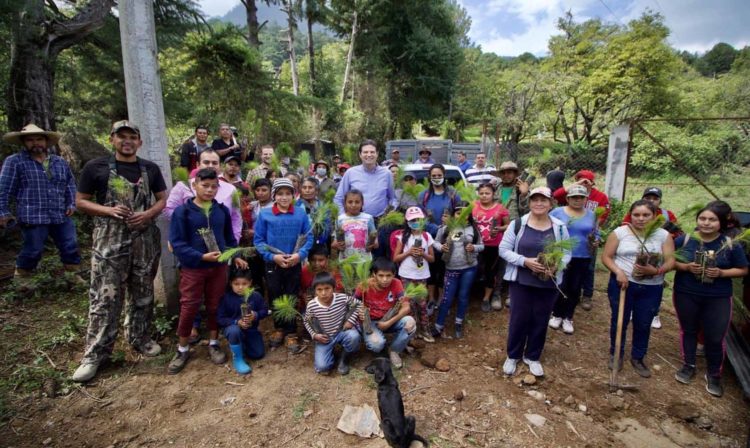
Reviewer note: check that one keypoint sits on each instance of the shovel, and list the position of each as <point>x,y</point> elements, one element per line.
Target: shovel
<point>613,382</point>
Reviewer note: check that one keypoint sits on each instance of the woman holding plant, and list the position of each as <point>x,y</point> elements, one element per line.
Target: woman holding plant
<point>709,259</point>
<point>637,255</point>
<point>536,250</point>
<point>491,218</point>
<point>581,224</point>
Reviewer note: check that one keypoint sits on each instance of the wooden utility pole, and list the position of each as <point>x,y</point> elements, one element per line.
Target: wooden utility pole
<point>146,109</point>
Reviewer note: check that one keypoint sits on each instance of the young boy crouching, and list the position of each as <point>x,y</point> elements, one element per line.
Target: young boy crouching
<point>239,314</point>
<point>389,311</point>
<point>330,318</point>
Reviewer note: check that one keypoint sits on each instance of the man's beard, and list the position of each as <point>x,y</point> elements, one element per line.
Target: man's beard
<point>38,150</point>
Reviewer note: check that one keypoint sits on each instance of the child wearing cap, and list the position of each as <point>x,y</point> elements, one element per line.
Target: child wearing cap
<point>413,253</point>
<point>283,239</point>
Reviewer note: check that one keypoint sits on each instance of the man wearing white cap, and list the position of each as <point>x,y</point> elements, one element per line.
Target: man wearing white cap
<point>43,189</point>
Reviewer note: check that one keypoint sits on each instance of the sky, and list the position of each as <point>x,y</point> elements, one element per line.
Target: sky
<point>513,27</point>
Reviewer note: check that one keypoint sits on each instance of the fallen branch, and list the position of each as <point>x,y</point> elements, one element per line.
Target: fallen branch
<point>532,430</point>
<point>81,390</point>
<point>572,428</point>
<point>52,363</point>
<point>295,436</point>
<point>468,429</point>
<point>665,360</point>
<point>232,383</point>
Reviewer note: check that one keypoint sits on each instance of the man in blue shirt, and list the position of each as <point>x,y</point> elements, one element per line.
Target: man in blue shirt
<point>463,164</point>
<point>43,188</point>
<point>375,182</point>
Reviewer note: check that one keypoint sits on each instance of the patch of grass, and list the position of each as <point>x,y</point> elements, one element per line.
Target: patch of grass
<point>163,321</point>
<point>305,400</point>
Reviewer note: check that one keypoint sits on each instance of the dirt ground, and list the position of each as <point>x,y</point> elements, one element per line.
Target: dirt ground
<point>283,403</point>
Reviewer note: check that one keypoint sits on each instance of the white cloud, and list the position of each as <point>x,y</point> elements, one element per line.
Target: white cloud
<point>217,7</point>
<point>538,19</point>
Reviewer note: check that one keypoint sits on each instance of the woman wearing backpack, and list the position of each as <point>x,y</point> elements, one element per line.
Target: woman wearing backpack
<point>437,200</point>
<point>532,285</point>
<point>703,294</point>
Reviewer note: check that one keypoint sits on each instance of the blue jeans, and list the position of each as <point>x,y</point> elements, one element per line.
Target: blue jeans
<point>250,339</point>
<point>643,302</point>
<point>349,340</point>
<point>34,237</point>
<point>375,341</point>
<point>456,283</point>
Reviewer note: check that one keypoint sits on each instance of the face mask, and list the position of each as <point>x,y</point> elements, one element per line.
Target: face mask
<point>437,181</point>
<point>414,225</point>
<point>321,172</point>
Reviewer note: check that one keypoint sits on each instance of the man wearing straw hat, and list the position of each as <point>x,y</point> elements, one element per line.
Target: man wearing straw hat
<point>43,188</point>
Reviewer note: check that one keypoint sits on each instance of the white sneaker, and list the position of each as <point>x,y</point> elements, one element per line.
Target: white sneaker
<point>656,323</point>
<point>554,322</point>
<point>535,367</point>
<point>567,326</point>
<point>396,360</point>
<point>509,368</point>
<point>84,373</point>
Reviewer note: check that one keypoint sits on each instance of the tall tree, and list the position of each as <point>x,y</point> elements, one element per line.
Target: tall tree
<point>253,26</point>
<point>719,59</point>
<point>289,8</point>
<point>37,41</point>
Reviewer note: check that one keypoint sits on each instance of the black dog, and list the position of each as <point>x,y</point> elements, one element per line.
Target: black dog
<point>397,428</point>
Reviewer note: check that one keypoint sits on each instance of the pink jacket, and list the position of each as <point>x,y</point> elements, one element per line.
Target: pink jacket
<point>180,193</point>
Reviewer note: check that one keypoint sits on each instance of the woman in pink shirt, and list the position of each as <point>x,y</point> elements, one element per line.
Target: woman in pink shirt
<point>491,219</point>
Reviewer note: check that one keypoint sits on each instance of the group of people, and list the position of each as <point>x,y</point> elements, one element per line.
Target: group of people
<point>539,243</point>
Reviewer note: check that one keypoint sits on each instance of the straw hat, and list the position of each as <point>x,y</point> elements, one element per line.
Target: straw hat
<point>16,138</point>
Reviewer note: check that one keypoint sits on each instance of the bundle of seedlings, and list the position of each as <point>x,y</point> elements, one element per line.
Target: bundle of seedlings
<point>304,160</point>
<point>645,257</point>
<point>285,310</point>
<point>454,234</point>
<point>355,273</point>
<point>249,167</point>
<point>392,219</point>
<point>416,292</point>
<point>121,191</point>
<point>552,255</point>
<point>466,191</point>
<point>707,259</point>
<point>205,232</point>
<point>321,217</point>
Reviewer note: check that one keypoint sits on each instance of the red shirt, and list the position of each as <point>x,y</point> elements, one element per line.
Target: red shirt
<point>380,301</point>
<point>596,199</point>
<point>483,219</point>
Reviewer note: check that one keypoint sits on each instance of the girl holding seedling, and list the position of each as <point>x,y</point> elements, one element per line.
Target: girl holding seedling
<point>581,224</point>
<point>413,253</point>
<point>492,220</point>
<point>317,210</point>
<point>461,247</point>
<point>355,229</point>
<point>708,260</point>
<point>536,250</point>
<point>239,314</point>
<point>637,255</point>
<point>438,200</point>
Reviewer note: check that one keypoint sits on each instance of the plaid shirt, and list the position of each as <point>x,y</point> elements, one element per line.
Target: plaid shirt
<point>42,196</point>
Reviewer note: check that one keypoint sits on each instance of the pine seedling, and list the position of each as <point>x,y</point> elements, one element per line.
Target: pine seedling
<point>236,198</point>
<point>120,189</point>
<point>453,225</point>
<point>284,149</point>
<point>416,291</point>
<point>229,254</point>
<point>355,272</point>
<point>285,308</point>
<point>693,210</point>
<point>552,255</point>
<point>413,191</point>
<point>275,164</point>
<point>180,174</point>
<point>249,166</point>
<point>246,293</point>
<point>466,191</point>
<point>304,160</point>
<point>392,219</point>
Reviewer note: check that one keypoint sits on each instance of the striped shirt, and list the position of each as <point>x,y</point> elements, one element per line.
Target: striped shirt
<point>479,176</point>
<point>330,317</point>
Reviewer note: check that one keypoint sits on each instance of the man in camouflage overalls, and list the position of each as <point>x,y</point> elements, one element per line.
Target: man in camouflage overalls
<point>126,247</point>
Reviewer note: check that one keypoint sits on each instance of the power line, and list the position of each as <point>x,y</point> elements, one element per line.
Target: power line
<point>610,11</point>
